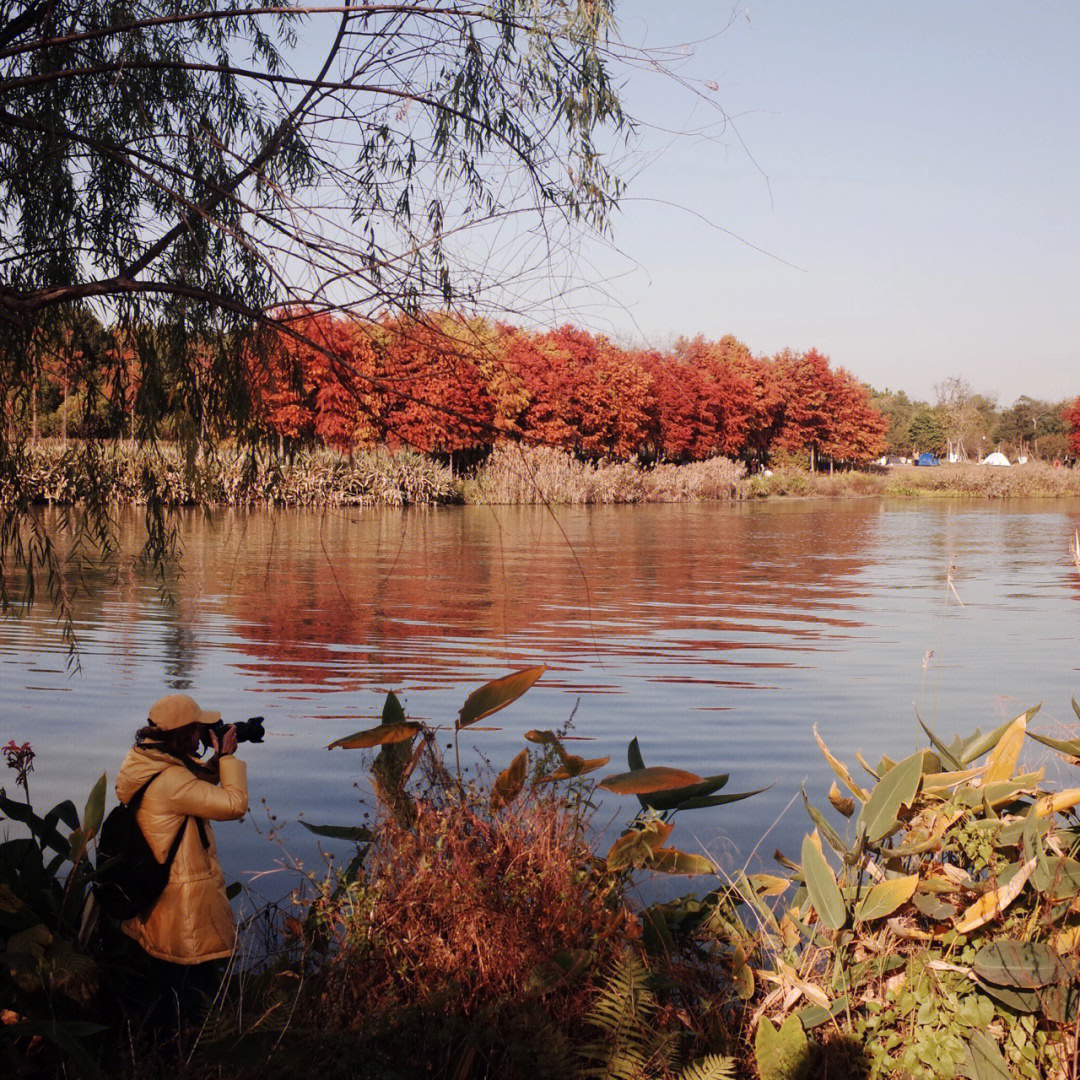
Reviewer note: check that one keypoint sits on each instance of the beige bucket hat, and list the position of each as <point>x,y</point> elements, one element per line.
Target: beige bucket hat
<point>178,710</point>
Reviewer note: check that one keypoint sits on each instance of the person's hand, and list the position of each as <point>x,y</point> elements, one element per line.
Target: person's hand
<point>228,742</point>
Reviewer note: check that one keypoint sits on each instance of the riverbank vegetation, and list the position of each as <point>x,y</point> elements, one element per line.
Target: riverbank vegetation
<point>927,927</point>
<point>52,473</point>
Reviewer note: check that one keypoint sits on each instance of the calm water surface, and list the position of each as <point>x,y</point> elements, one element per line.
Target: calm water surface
<point>719,635</point>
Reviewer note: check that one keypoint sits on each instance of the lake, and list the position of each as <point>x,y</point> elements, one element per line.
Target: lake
<point>718,634</point>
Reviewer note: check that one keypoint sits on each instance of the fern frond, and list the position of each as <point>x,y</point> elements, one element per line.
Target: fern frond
<point>622,1012</point>
<point>711,1067</point>
<point>625,999</point>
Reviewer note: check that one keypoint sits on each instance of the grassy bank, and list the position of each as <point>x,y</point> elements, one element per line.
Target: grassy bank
<point>57,474</point>
<point>968,481</point>
<point>927,928</point>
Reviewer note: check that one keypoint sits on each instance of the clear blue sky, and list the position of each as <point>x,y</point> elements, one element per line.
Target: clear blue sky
<point>923,175</point>
<point>900,190</point>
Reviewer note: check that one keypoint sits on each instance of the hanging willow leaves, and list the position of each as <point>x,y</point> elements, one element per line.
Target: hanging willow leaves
<point>164,164</point>
<point>496,695</point>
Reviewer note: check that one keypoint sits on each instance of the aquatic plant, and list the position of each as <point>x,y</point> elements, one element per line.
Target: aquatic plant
<point>943,941</point>
<point>48,975</point>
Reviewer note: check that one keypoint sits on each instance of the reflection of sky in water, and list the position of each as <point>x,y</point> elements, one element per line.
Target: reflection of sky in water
<point>718,635</point>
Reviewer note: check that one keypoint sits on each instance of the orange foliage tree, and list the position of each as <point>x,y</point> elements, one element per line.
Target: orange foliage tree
<point>1072,418</point>
<point>583,393</point>
<point>443,384</point>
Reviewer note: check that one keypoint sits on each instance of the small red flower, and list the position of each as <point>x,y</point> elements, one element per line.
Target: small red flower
<point>21,759</point>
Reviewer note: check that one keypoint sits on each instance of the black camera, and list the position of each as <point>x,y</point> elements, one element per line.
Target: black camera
<point>251,730</point>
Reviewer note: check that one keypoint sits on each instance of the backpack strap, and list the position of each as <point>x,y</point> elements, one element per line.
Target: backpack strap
<point>133,802</point>
<point>133,806</point>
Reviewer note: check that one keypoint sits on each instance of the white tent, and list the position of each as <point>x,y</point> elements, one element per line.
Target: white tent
<point>996,458</point>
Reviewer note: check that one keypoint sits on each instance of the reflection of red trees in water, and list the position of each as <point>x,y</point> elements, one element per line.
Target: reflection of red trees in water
<point>383,598</point>
<point>446,384</point>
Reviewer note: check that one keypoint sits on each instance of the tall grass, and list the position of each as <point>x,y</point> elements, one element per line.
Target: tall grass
<point>1034,480</point>
<point>59,474</point>
<point>541,474</point>
<point>66,474</point>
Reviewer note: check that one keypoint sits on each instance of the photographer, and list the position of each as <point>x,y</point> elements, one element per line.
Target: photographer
<point>190,925</point>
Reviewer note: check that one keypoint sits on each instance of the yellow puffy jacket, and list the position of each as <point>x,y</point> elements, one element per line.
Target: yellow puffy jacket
<point>191,921</point>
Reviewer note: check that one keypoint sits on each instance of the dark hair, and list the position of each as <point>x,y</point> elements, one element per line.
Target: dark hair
<point>175,742</point>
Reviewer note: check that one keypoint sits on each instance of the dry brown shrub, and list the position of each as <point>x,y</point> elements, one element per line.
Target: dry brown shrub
<point>462,911</point>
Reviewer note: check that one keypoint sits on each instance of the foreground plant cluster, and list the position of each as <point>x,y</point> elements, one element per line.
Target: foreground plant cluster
<point>929,928</point>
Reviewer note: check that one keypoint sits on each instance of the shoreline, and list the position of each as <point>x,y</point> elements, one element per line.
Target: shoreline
<point>120,473</point>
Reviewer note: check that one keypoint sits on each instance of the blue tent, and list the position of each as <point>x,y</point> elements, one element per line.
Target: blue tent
<point>927,459</point>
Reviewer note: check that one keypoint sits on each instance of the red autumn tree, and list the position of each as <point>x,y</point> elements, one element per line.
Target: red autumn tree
<point>583,393</point>
<point>857,429</point>
<point>679,421</point>
<point>436,394</point>
<point>1071,415</point>
<point>727,394</point>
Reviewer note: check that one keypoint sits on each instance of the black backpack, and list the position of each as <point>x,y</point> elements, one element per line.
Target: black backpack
<point>128,877</point>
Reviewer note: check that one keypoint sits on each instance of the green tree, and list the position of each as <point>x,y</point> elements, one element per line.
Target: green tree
<point>898,409</point>
<point>925,433</point>
<point>1033,427</point>
<point>193,174</point>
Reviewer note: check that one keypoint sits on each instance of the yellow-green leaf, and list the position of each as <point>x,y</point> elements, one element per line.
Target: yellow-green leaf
<point>768,884</point>
<point>496,695</point>
<point>382,735</point>
<point>1055,804</point>
<point>896,788</point>
<point>885,897</point>
<point>1001,764</point>
<point>821,885</point>
<point>653,778</point>
<point>978,746</point>
<point>510,781</point>
<point>670,861</point>
<point>95,808</point>
<point>994,902</point>
<point>841,770</point>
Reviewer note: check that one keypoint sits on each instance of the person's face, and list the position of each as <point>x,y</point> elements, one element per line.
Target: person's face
<point>196,739</point>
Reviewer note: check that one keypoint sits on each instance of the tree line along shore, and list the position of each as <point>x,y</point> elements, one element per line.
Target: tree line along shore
<point>455,388</point>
